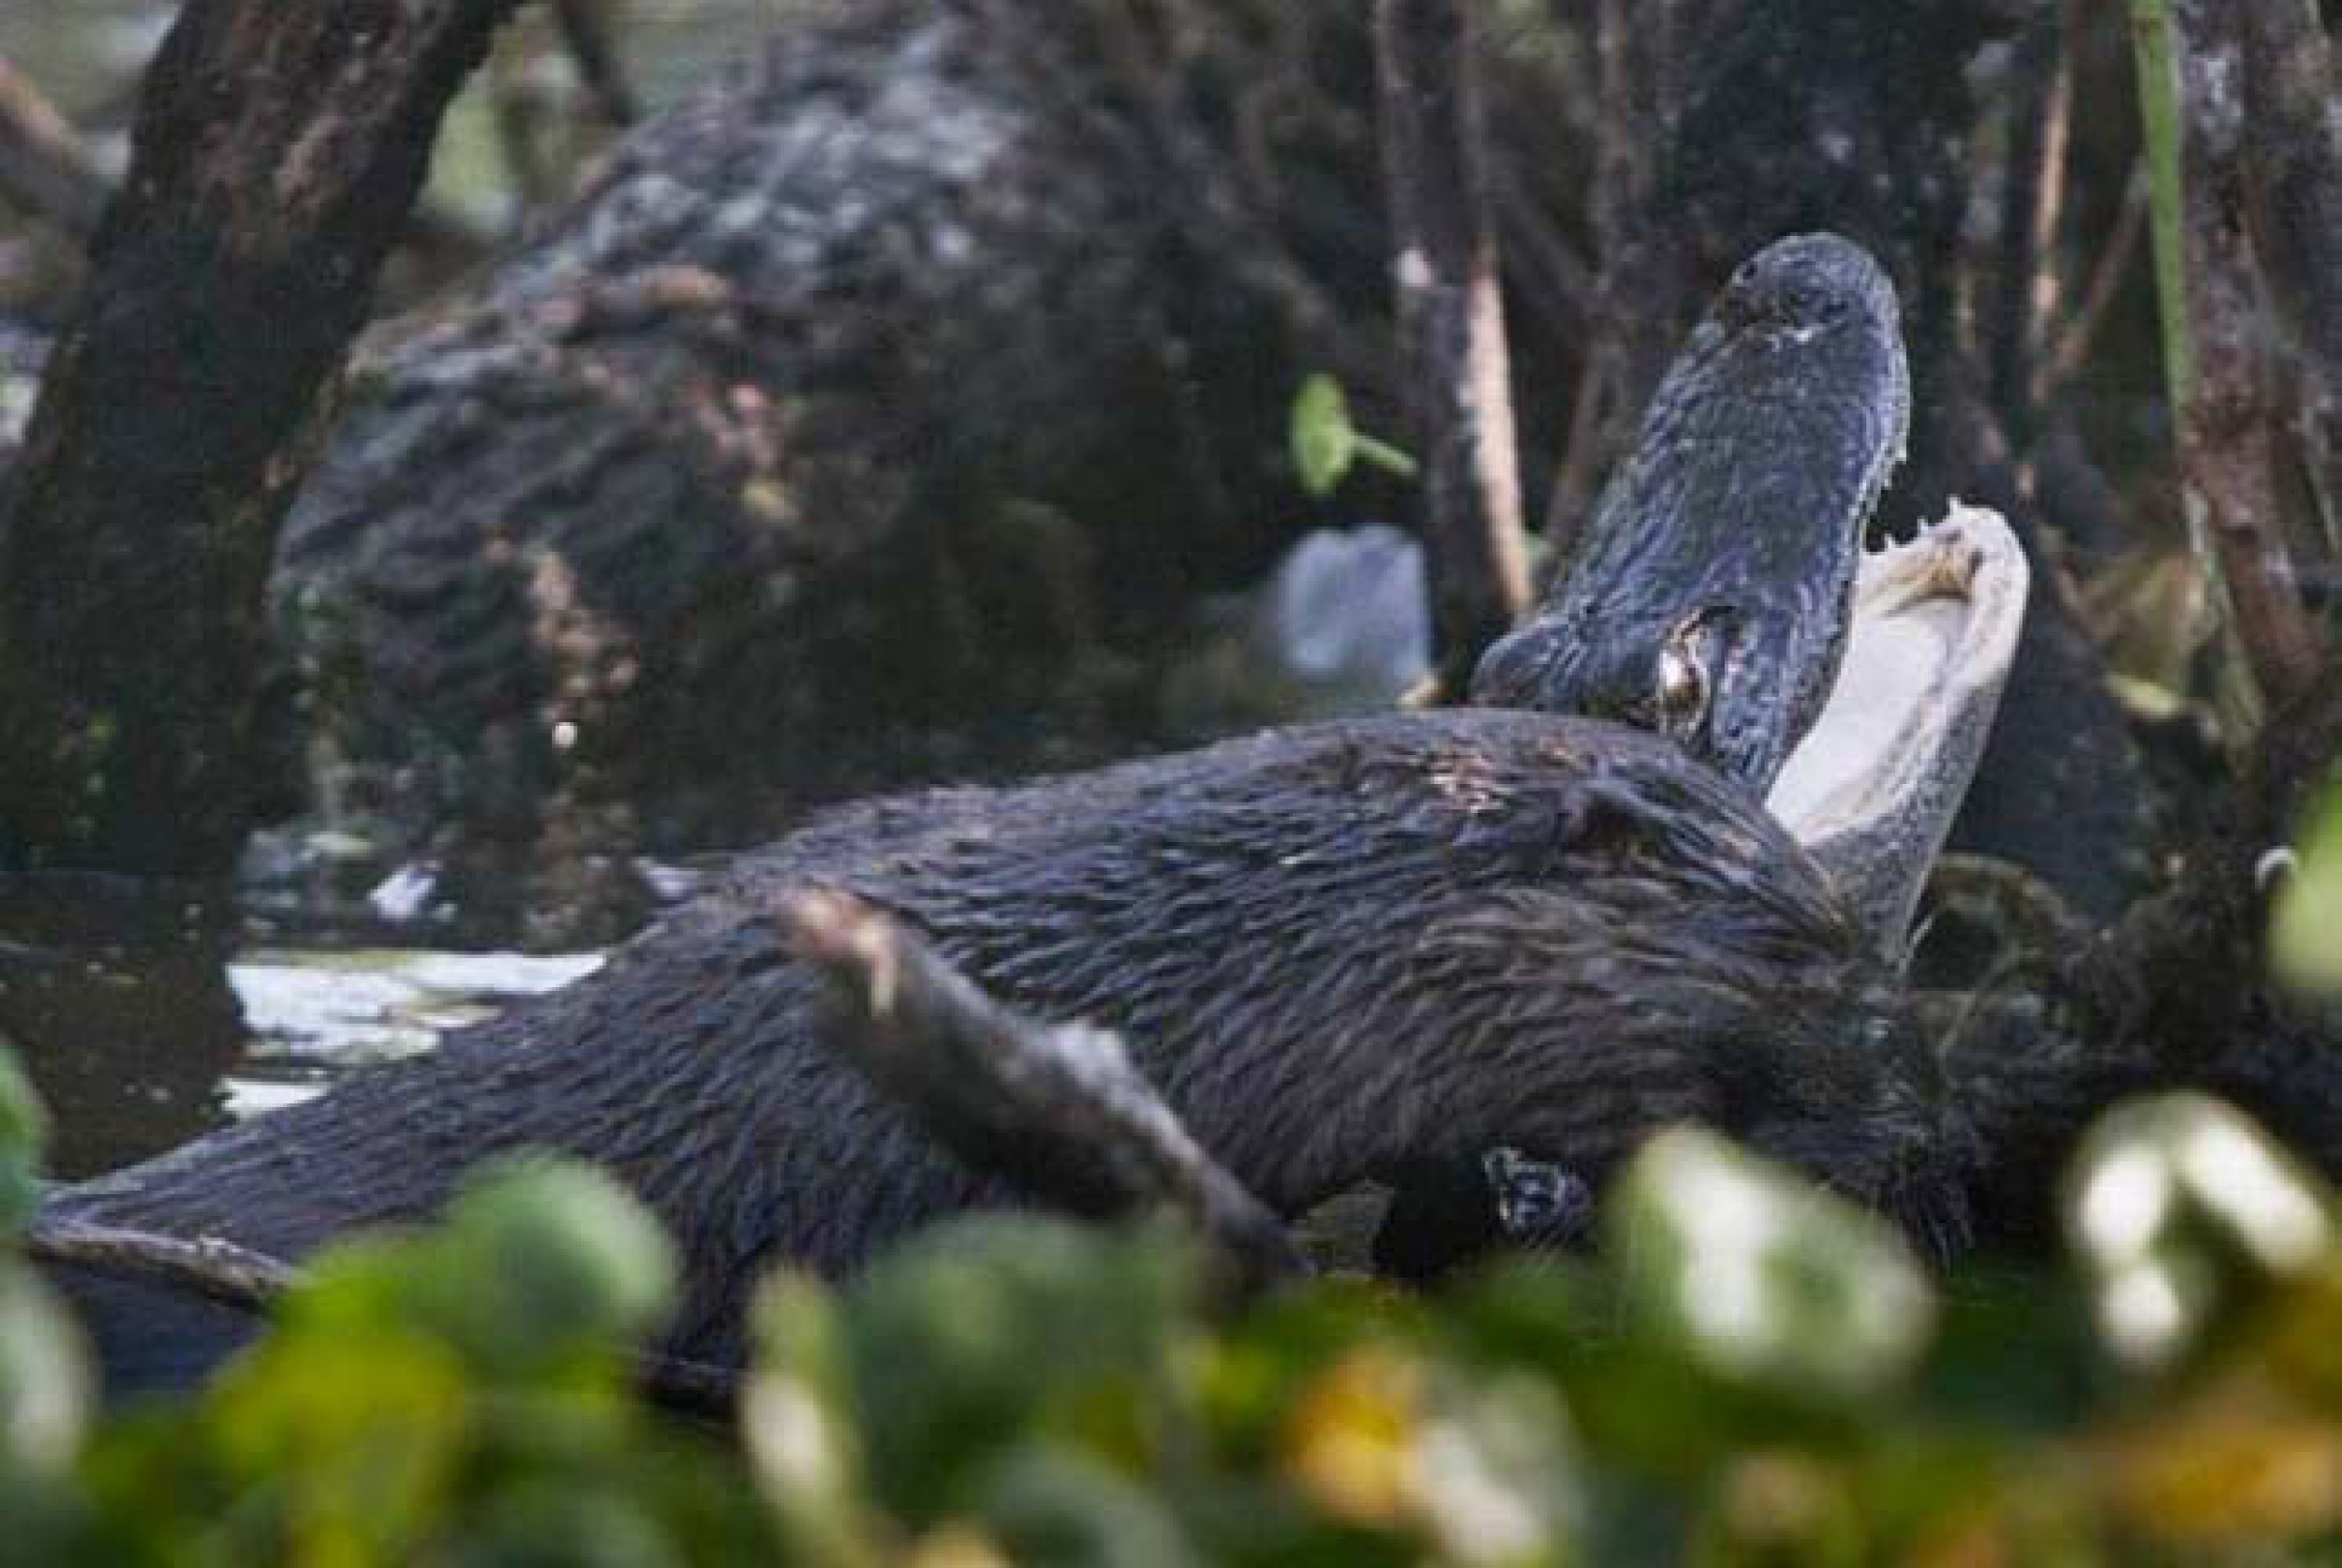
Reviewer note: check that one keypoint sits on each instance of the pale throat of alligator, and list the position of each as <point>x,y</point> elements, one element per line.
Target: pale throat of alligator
<point>1872,788</point>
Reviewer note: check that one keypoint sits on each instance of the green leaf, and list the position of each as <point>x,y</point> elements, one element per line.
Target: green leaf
<point>2181,1208</point>
<point>1383,456</point>
<point>1048,1507</point>
<point>2306,932</point>
<point>1325,444</point>
<point>1762,1277</point>
<point>553,1254</point>
<point>797,1418</point>
<point>21,1127</point>
<point>353,1441</point>
<point>44,1388</point>
<point>979,1330</point>
<point>1496,1472</point>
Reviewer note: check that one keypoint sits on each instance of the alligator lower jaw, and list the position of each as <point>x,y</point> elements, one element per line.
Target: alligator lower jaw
<point>1873,787</point>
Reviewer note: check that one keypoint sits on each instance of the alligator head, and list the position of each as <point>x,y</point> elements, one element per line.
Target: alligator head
<point>1709,596</point>
<point>1721,594</point>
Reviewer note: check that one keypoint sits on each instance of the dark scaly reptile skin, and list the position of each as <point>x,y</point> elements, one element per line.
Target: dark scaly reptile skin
<point>1335,950</point>
<point>1757,466</point>
<point>1755,473</point>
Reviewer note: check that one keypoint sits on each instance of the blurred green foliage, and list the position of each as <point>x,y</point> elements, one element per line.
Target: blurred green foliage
<point>1325,444</point>
<point>2306,937</point>
<point>1754,1372</point>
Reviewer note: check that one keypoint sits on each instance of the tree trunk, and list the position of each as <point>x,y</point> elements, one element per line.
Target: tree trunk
<point>2191,69</point>
<point>277,150</point>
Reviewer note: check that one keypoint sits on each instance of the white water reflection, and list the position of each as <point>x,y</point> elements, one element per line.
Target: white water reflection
<point>313,1014</point>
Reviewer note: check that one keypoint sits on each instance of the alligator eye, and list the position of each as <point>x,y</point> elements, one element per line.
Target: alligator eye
<point>1683,690</point>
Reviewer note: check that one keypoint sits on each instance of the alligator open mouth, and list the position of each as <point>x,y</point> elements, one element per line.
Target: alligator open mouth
<point>1871,790</point>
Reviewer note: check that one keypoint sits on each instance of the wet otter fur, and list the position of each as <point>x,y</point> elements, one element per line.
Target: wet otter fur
<point>1335,950</point>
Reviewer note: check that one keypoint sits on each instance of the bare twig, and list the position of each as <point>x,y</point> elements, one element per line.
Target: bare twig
<point>2064,360</point>
<point>2189,74</point>
<point>1451,324</point>
<point>585,34</point>
<point>209,1266</point>
<point>48,172</point>
<point>1561,284</point>
<point>2030,917</point>
<point>220,1270</point>
<point>1210,188</point>
<point>44,168</point>
<point>516,104</point>
<point>1584,450</point>
<point>2292,136</point>
<point>2292,157</point>
<point>1059,1110</point>
<point>2049,204</point>
<point>2029,280</point>
<point>1639,91</point>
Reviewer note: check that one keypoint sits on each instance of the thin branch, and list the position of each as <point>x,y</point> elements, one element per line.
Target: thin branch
<point>2292,156</point>
<point>2028,276</point>
<point>220,1270</point>
<point>517,108</point>
<point>1451,323</point>
<point>2046,284</point>
<point>44,168</point>
<point>1639,90</point>
<point>209,1266</point>
<point>1584,450</point>
<point>585,32</point>
<point>2188,80</point>
<point>2074,341</point>
<point>1059,1110</point>
<point>2292,136</point>
<point>50,174</point>
<point>1562,285</point>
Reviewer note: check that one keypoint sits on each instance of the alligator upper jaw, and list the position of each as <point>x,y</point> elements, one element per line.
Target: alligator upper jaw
<point>1872,788</point>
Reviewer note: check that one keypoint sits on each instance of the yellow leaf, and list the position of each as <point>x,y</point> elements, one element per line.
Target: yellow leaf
<point>1348,1440</point>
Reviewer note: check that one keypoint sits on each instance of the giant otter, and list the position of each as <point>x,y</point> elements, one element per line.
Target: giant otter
<point>1337,951</point>
<point>1333,949</point>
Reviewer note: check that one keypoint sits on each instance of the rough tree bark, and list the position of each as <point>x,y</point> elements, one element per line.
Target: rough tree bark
<point>927,369</point>
<point>2191,79</point>
<point>1452,363</point>
<point>2293,183</point>
<point>2293,155</point>
<point>277,150</point>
